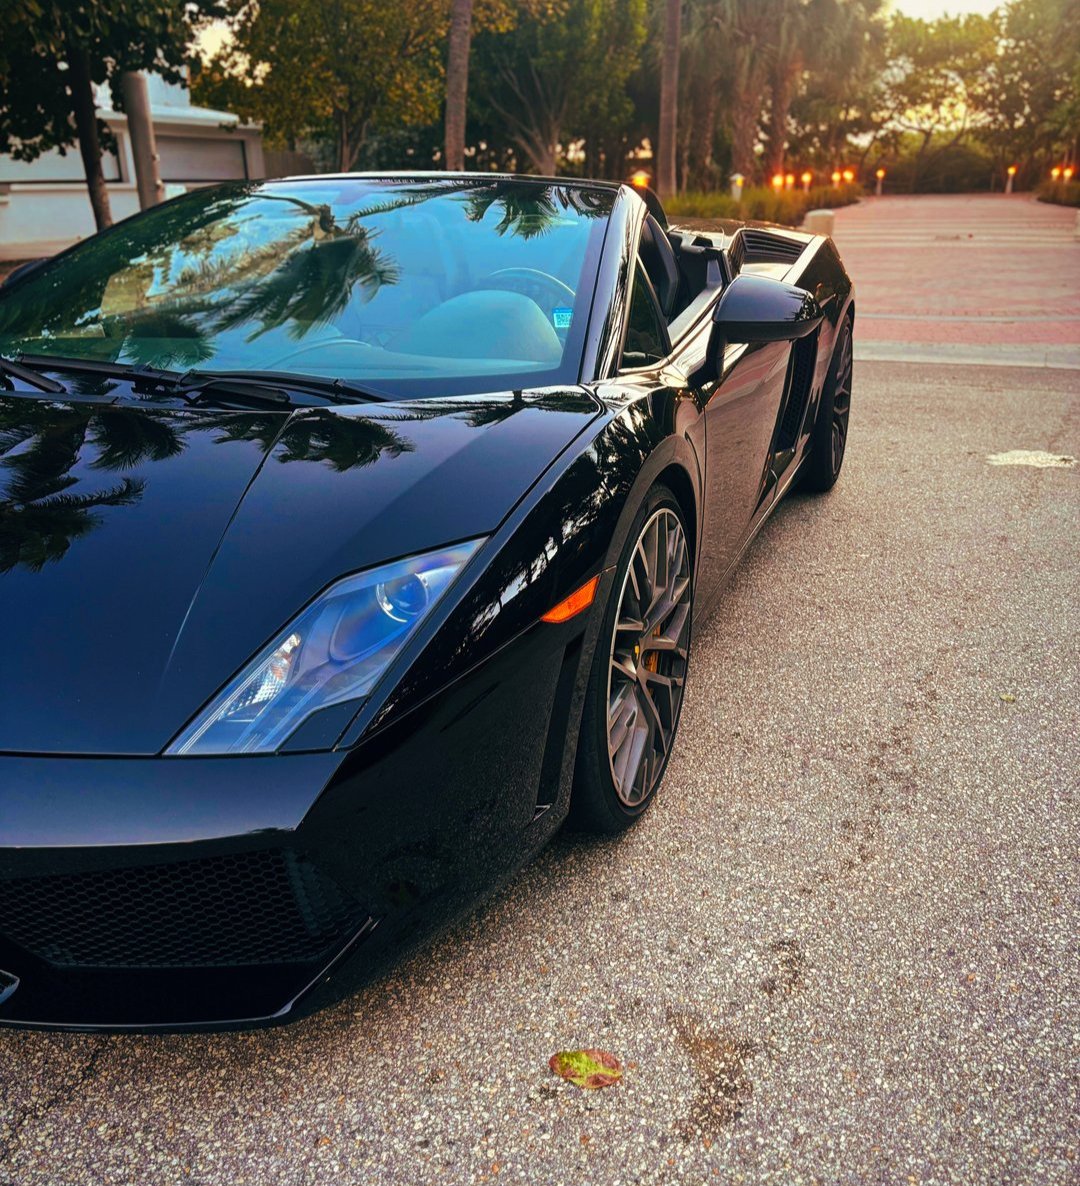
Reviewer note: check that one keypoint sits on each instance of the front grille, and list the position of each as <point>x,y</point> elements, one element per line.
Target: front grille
<point>800,376</point>
<point>761,247</point>
<point>266,907</point>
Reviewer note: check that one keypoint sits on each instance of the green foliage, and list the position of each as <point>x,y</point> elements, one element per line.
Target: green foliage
<point>762,204</point>
<point>1060,193</point>
<point>339,70</point>
<point>38,38</point>
<point>1031,97</point>
<point>561,73</point>
<point>946,166</point>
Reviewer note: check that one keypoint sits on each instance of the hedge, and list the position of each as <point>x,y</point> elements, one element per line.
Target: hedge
<point>787,206</point>
<point>1061,193</point>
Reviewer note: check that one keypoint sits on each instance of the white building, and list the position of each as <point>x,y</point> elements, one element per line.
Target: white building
<point>44,206</point>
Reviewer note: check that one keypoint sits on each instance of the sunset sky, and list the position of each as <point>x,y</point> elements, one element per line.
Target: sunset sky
<point>931,9</point>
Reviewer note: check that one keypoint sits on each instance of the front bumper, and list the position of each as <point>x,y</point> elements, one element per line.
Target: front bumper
<point>203,892</point>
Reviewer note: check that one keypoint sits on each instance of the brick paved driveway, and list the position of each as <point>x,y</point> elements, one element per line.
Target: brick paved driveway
<point>974,278</point>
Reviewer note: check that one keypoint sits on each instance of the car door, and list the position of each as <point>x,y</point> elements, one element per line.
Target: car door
<point>741,410</point>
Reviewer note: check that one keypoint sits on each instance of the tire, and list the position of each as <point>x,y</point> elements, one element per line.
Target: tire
<point>828,442</point>
<point>635,691</point>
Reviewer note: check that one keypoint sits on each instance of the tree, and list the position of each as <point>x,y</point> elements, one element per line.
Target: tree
<point>560,70</point>
<point>669,98</point>
<point>457,81</point>
<point>493,15</point>
<point>840,94</point>
<point>52,52</point>
<point>747,28</point>
<point>933,82</point>
<point>339,70</point>
<point>1030,99</point>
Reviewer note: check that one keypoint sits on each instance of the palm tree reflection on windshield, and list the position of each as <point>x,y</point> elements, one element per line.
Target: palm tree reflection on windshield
<point>302,278</point>
<point>329,265</point>
<point>531,210</point>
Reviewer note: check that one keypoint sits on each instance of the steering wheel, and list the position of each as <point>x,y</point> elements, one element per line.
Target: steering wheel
<point>542,283</point>
<point>331,340</point>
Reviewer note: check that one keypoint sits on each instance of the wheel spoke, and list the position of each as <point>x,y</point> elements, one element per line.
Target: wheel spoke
<point>648,658</point>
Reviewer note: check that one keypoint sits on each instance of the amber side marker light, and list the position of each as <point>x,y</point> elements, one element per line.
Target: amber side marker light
<point>577,601</point>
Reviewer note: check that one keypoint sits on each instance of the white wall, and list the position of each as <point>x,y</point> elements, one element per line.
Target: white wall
<point>44,205</point>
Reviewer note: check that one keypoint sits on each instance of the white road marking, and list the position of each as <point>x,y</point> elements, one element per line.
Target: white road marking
<point>1033,457</point>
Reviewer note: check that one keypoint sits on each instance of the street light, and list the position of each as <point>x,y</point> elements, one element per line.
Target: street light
<point>778,182</point>
<point>849,176</point>
<point>639,179</point>
<point>1055,173</point>
<point>807,177</point>
<point>1011,172</point>
<point>737,180</point>
<point>1067,172</point>
<point>836,176</point>
<point>880,175</point>
<point>789,181</point>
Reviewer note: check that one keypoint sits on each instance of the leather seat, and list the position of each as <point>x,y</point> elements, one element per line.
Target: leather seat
<point>658,258</point>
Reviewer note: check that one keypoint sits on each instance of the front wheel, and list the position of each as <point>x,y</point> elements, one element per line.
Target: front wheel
<point>829,439</point>
<point>638,673</point>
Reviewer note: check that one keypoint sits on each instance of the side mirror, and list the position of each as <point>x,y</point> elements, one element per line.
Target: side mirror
<point>760,309</point>
<point>756,309</point>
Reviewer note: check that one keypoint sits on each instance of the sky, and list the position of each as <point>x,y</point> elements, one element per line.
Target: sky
<point>931,9</point>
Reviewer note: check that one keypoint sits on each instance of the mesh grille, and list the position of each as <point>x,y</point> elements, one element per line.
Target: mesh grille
<point>802,373</point>
<point>248,908</point>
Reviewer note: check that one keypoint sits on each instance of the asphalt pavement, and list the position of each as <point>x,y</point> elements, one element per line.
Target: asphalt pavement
<point>840,948</point>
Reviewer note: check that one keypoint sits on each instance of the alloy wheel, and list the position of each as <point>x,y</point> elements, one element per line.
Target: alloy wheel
<point>841,402</point>
<point>649,650</point>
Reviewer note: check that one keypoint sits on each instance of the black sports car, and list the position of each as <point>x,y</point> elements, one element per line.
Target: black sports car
<point>353,530</point>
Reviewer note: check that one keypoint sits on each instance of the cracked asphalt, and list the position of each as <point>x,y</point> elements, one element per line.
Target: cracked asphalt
<point>841,948</point>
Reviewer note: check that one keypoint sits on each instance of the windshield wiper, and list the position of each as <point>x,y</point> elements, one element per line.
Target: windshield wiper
<point>261,388</point>
<point>25,375</point>
<point>338,390</point>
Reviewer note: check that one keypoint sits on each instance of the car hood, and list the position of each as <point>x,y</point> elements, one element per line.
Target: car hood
<point>147,553</point>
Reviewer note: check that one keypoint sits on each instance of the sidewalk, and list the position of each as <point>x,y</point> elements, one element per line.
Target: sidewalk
<point>965,278</point>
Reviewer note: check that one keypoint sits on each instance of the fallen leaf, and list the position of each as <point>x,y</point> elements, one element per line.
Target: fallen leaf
<point>586,1068</point>
<point>1008,697</point>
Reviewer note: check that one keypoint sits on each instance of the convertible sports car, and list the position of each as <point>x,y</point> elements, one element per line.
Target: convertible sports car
<point>353,531</point>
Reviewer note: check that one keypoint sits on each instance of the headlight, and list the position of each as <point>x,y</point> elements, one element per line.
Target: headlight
<point>331,653</point>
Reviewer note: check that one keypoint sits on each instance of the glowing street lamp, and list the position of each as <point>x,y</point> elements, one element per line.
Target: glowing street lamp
<point>1067,172</point>
<point>836,175</point>
<point>778,182</point>
<point>789,181</point>
<point>1055,173</point>
<point>880,175</point>
<point>806,178</point>
<point>737,180</point>
<point>1010,177</point>
<point>849,176</point>
<point>639,179</point>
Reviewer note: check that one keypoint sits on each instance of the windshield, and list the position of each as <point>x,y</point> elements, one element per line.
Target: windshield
<point>423,287</point>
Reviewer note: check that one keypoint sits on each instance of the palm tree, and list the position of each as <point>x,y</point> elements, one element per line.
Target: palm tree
<point>457,81</point>
<point>669,99</point>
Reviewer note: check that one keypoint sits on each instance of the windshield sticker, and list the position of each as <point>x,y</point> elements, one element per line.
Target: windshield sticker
<point>561,316</point>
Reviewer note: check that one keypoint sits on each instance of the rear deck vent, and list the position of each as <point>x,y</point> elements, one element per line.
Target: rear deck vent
<point>761,247</point>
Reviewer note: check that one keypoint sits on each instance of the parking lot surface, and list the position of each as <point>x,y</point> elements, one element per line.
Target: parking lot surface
<point>841,947</point>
